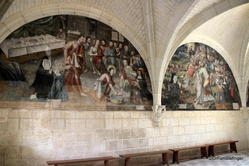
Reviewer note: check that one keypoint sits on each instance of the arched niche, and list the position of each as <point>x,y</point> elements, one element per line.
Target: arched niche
<point>73,62</point>
<point>198,78</point>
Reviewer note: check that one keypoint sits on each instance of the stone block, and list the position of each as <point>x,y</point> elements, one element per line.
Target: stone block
<point>113,145</point>
<point>13,124</point>
<point>15,162</point>
<point>37,137</point>
<point>160,140</point>
<point>122,114</point>
<point>3,126</point>
<point>173,140</point>
<point>68,114</point>
<point>138,133</point>
<point>10,138</point>
<point>75,124</point>
<point>27,152</point>
<point>113,123</point>
<point>122,133</point>
<point>173,122</point>
<point>57,124</point>
<point>145,123</point>
<point>30,124</point>
<point>184,121</point>
<point>129,123</point>
<point>105,133</point>
<point>178,130</point>
<point>95,123</point>
<point>12,152</point>
<point>190,129</point>
<point>134,143</point>
<point>24,113</point>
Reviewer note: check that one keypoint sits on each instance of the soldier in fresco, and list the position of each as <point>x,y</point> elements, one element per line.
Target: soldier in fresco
<point>74,60</point>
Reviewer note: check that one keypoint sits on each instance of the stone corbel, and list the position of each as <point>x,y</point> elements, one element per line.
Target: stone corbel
<point>157,114</point>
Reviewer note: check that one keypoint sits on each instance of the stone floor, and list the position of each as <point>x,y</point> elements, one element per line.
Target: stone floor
<point>230,159</point>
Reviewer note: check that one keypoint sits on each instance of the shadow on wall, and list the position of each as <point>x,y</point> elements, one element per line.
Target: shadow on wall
<point>2,155</point>
<point>21,156</point>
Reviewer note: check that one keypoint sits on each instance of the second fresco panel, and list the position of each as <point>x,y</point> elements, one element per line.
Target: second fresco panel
<point>198,78</point>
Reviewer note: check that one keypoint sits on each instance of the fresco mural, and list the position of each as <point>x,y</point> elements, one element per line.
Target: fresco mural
<point>198,78</point>
<point>75,62</point>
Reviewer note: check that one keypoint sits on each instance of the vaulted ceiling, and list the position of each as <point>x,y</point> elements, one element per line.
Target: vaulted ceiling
<point>155,27</point>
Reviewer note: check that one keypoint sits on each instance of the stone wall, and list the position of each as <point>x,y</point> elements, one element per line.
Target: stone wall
<point>32,137</point>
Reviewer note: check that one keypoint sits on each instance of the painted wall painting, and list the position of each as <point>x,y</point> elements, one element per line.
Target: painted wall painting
<point>75,61</point>
<point>198,78</point>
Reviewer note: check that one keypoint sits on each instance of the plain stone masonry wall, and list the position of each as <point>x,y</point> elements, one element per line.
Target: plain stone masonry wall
<point>31,137</point>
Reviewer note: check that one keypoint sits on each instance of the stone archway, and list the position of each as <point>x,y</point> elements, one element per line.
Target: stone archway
<point>16,20</point>
<point>187,28</point>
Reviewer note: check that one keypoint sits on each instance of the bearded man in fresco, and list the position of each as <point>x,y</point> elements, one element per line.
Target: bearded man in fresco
<point>74,59</point>
<point>110,55</point>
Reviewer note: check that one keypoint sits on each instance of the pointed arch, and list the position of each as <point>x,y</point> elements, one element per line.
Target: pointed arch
<point>17,20</point>
<point>191,25</point>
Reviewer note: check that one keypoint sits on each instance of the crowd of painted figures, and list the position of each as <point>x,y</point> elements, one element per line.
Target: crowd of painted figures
<point>198,75</point>
<point>106,60</point>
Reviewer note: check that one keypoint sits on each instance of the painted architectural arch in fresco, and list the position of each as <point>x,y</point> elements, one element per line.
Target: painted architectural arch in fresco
<point>199,78</point>
<point>72,62</point>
